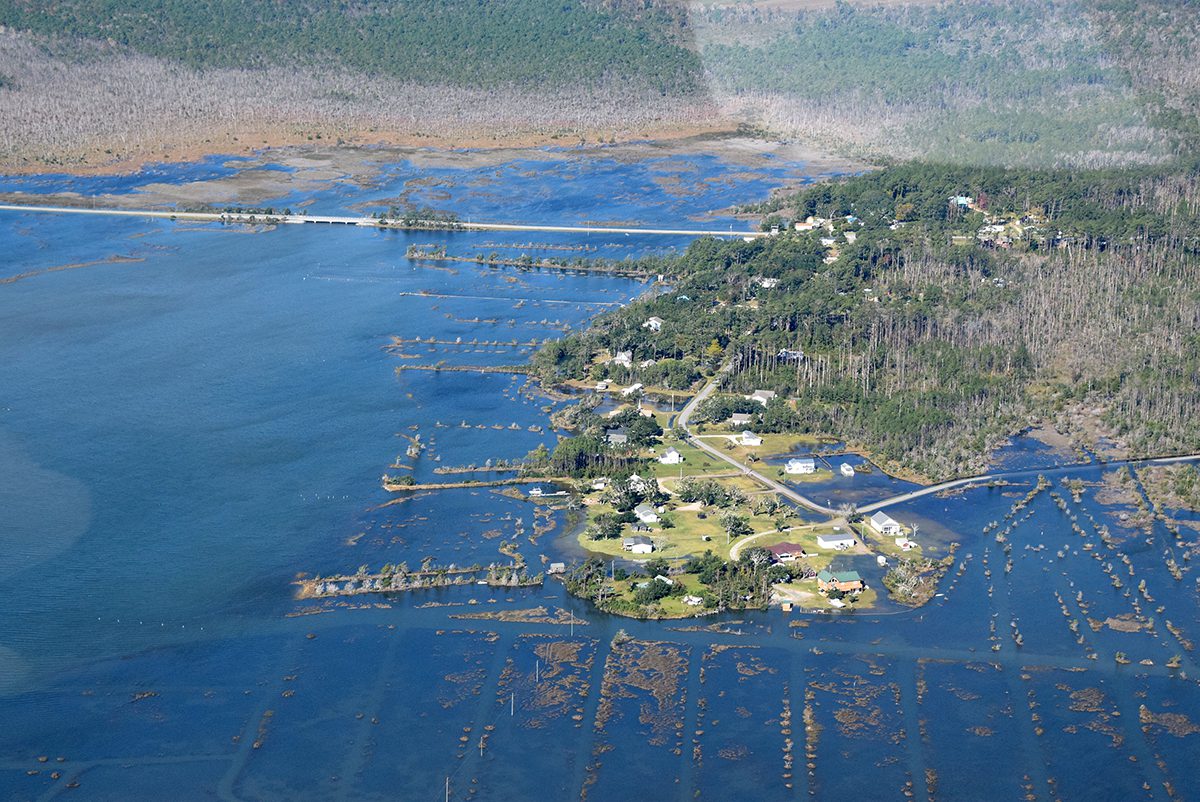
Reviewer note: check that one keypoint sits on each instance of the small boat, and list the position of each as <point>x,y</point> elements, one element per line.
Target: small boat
<point>847,469</point>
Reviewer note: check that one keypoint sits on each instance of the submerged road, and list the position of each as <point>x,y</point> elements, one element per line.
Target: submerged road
<point>787,492</point>
<point>371,222</point>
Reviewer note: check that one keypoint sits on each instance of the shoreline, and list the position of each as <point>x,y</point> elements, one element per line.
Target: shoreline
<point>261,144</point>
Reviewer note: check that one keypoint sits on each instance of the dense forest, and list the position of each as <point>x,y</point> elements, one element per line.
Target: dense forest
<point>1015,82</point>
<point>456,42</point>
<point>1085,82</point>
<point>941,309</point>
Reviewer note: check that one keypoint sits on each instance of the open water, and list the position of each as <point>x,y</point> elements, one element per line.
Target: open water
<point>191,415</point>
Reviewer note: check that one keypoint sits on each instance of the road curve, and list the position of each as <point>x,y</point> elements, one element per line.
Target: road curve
<point>685,415</point>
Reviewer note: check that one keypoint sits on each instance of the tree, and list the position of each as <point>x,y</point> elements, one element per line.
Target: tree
<point>734,525</point>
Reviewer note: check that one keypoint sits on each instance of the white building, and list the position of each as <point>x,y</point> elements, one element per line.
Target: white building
<point>638,484</point>
<point>654,324</point>
<point>646,514</point>
<point>836,542</point>
<point>638,544</point>
<point>763,397</point>
<point>671,457</point>
<point>749,438</point>
<point>740,419</point>
<point>624,359</point>
<point>631,389</point>
<point>801,465</point>
<point>882,523</point>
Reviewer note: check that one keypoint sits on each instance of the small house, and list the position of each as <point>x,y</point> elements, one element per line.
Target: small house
<point>671,457</point>
<point>884,524</point>
<point>843,581</point>
<point>692,601</point>
<point>787,552</point>
<point>800,465</point>
<point>624,359</point>
<point>790,354</point>
<point>763,397</point>
<point>638,544</point>
<point>740,419</point>
<point>666,580</point>
<point>749,438</point>
<point>835,542</point>
<point>616,437</point>
<point>646,514</point>
<point>654,324</point>
<point>638,484</point>
<point>557,568</point>
<point>631,389</point>
<point>767,282</point>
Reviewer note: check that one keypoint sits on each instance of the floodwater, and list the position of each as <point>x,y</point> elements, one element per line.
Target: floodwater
<point>193,415</point>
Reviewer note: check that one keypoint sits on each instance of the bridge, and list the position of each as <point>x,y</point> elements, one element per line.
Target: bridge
<point>373,222</point>
<point>967,482</point>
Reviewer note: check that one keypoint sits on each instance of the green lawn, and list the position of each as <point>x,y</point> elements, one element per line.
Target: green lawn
<point>683,540</point>
<point>884,545</point>
<point>695,461</point>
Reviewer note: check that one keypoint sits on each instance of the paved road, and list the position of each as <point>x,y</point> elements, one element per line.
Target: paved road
<point>708,389</point>
<point>371,222</point>
<point>682,422</point>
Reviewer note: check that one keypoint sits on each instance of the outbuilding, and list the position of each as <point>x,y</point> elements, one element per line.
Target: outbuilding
<point>638,544</point>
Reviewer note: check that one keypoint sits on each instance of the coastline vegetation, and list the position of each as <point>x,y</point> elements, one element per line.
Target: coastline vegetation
<point>927,312</point>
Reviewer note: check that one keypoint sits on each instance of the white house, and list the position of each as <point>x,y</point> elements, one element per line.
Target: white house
<point>767,282</point>
<point>624,359</point>
<point>638,544</point>
<point>749,438</point>
<point>654,324</point>
<point>646,514</point>
<point>763,397</point>
<point>740,419</point>
<point>671,457</point>
<point>638,484</point>
<point>631,389</point>
<point>692,601</point>
<point>882,523</point>
<point>837,541</point>
<point>801,465</point>
<point>616,437</point>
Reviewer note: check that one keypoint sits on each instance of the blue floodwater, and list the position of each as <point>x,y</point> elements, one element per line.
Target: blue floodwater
<point>192,415</point>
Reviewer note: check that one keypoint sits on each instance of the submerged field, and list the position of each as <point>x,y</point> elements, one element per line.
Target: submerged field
<point>192,416</point>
